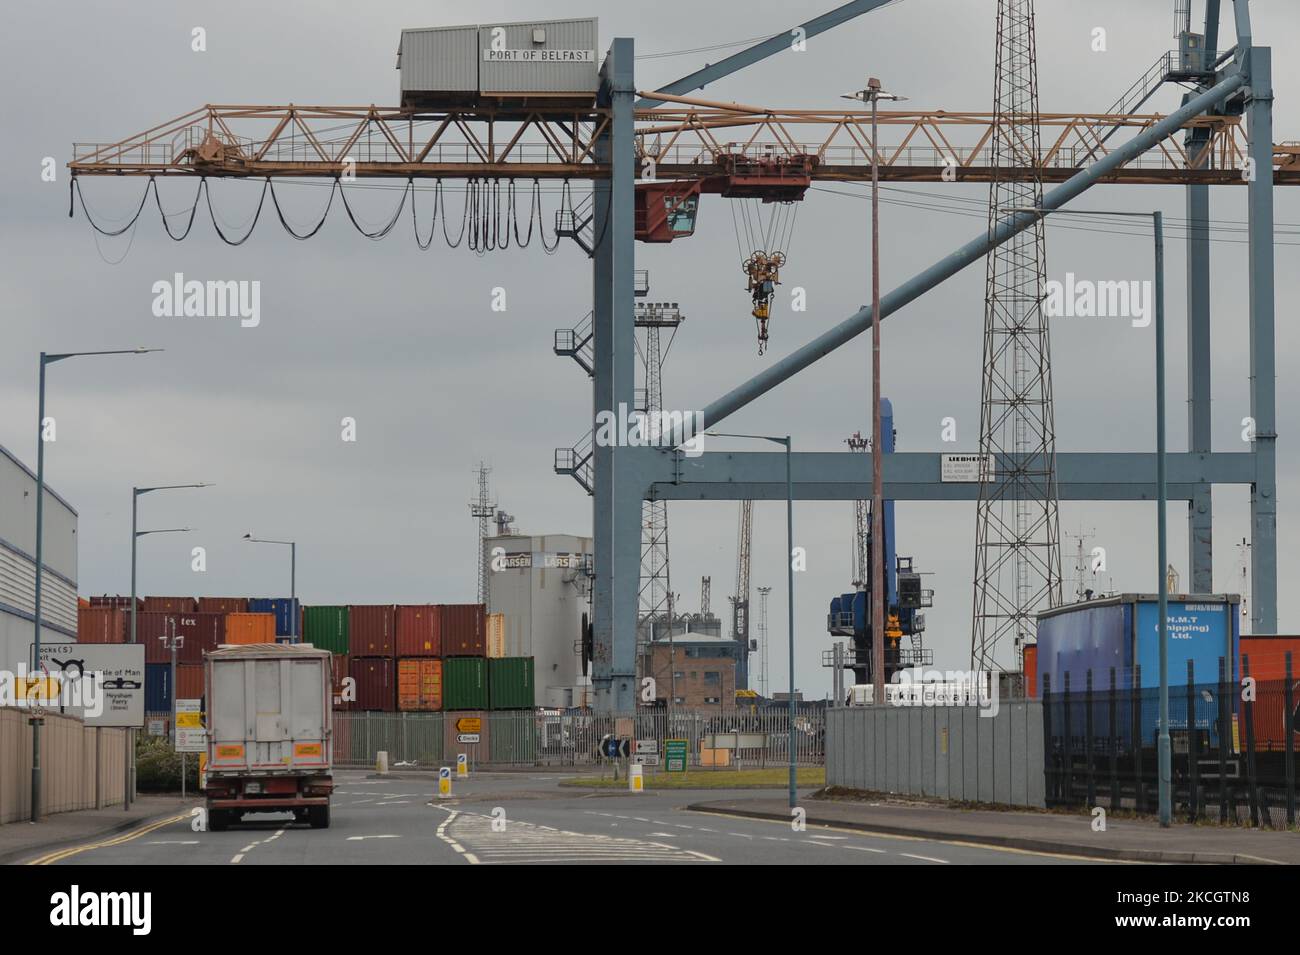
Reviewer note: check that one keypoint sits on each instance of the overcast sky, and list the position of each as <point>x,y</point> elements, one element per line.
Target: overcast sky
<point>405,341</point>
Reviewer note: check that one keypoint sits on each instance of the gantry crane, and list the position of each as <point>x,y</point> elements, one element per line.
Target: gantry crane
<point>1226,116</point>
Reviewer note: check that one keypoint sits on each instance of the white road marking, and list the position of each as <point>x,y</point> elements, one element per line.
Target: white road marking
<point>924,858</point>
<point>865,849</point>
<point>527,843</point>
<point>173,842</point>
<point>236,860</point>
<point>387,835</point>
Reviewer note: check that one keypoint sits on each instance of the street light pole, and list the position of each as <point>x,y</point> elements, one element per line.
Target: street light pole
<point>788,443</point>
<point>48,359</point>
<point>293,579</point>
<point>876,579</point>
<point>1164,754</point>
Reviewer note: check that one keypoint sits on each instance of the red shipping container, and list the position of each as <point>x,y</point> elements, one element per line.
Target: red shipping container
<point>202,631</point>
<point>223,605</point>
<point>122,602</point>
<point>463,630</point>
<point>376,683</point>
<point>419,630</point>
<point>101,625</point>
<point>371,630</point>
<point>189,681</point>
<point>171,604</point>
<point>339,673</point>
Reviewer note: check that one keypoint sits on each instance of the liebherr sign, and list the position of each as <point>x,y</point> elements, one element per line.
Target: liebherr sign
<point>539,56</point>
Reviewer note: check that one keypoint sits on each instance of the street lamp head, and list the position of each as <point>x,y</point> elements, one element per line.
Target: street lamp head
<point>248,537</point>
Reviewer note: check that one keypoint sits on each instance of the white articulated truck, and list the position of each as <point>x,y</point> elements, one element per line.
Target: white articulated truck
<point>270,724</point>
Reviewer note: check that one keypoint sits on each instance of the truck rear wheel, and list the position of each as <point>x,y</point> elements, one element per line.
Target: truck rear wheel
<point>218,820</point>
<point>319,816</point>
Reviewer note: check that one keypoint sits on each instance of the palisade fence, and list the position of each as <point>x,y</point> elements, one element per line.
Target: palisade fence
<point>1233,746</point>
<point>520,738</point>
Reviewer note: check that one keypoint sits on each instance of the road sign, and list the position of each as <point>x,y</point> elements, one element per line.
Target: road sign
<point>467,737</point>
<point>646,760</point>
<point>462,766</point>
<point>470,724</point>
<point>157,727</point>
<point>444,781</point>
<point>647,747</point>
<point>191,740</point>
<point>612,747</point>
<point>118,699</point>
<point>675,752</point>
<point>189,714</point>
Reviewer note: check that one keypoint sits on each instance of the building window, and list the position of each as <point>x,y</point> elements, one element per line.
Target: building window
<point>712,676</point>
<point>679,699</point>
<point>679,675</point>
<point>712,699</point>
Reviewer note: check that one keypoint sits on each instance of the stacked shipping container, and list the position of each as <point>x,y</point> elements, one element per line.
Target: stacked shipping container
<point>417,658</point>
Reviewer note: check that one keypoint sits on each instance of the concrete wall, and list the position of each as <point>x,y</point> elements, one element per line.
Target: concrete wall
<point>949,752</point>
<point>82,767</point>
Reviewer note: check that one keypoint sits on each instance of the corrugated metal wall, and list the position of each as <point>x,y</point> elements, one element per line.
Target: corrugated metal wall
<point>82,767</point>
<point>946,752</point>
<point>545,76</point>
<point>440,60</point>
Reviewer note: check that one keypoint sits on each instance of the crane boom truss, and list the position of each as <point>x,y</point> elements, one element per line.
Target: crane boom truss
<point>687,142</point>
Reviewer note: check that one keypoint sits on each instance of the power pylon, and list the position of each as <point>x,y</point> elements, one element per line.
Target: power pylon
<point>1017,543</point>
<point>484,509</point>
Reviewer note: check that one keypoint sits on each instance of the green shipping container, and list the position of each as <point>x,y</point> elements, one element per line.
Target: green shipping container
<point>326,628</point>
<point>464,683</point>
<point>510,683</point>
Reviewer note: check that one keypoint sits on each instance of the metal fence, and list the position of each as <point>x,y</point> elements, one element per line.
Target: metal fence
<point>1232,747</point>
<point>962,753</point>
<point>544,738</point>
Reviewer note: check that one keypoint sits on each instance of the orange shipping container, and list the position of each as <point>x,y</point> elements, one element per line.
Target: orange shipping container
<point>1267,653</point>
<point>419,684</point>
<point>496,634</point>
<point>1031,671</point>
<point>101,625</point>
<point>250,628</point>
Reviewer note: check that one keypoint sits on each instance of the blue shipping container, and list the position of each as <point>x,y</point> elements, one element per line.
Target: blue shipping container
<point>1121,631</point>
<point>286,613</point>
<point>157,687</point>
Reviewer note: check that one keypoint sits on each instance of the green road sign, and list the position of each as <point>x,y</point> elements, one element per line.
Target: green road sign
<point>675,755</point>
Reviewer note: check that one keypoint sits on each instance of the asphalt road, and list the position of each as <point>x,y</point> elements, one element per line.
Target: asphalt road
<point>519,818</point>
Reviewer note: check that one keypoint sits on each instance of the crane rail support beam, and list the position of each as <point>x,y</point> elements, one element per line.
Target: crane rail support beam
<point>917,475</point>
<point>944,269</point>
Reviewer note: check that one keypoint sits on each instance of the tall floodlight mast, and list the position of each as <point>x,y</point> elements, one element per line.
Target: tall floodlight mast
<point>1017,537</point>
